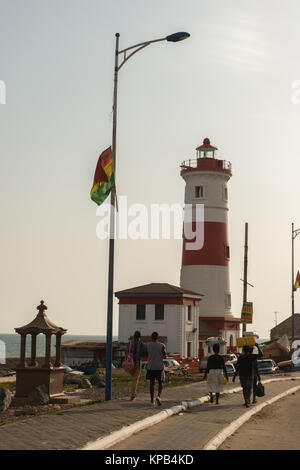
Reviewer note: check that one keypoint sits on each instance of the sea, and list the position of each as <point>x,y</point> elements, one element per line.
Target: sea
<point>11,343</point>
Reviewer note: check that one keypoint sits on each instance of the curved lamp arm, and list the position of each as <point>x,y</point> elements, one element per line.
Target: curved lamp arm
<point>296,233</point>
<point>176,37</point>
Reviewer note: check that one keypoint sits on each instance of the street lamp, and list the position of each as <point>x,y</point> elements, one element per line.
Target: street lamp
<point>295,233</point>
<point>127,53</point>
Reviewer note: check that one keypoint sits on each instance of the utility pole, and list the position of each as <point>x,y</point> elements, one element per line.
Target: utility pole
<point>245,270</point>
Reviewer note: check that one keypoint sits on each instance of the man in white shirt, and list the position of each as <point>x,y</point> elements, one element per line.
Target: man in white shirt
<point>155,366</point>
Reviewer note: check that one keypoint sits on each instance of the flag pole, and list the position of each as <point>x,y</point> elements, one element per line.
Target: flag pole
<point>245,272</point>
<point>293,299</point>
<point>109,349</point>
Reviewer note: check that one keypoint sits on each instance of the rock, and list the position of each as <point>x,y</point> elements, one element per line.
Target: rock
<point>39,396</point>
<point>5,399</point>
<point>85,383</point>
<point>71,380</point>
<point>98,380</point>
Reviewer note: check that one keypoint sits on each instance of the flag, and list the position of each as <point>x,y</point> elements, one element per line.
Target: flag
<point>297,282</point>
<point>104,179</point>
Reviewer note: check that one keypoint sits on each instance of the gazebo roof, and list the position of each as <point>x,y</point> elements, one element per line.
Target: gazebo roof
<point>41,324</point>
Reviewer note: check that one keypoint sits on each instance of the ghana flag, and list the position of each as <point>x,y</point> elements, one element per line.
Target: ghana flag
<point>104,177</point>
<point>297,282</point>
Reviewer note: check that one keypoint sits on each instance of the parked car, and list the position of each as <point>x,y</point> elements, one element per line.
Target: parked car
<point>227,357</point>
<point>267,366</point>
<point>230,368</point>
<point>287,366</point>
<point>169,362</point>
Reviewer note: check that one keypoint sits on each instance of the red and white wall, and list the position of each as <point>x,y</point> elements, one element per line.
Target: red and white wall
<point>206,270</point>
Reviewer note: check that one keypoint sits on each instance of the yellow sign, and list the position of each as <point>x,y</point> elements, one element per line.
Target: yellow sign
<point>247,312</point>
<point>245,341</point>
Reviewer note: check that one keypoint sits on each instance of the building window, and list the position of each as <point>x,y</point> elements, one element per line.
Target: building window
<point>189,349</point>
<point>227,251</point>
<point>199,193</point>
<point>231,341</point>
<point>159,312</point>
<point>141,312</point>
<point>189,313</point>
<point>226,193</point>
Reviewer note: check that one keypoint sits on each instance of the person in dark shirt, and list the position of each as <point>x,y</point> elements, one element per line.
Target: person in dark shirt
<point>215,370</point>
<point>138,351</point>
<point>244,367</point>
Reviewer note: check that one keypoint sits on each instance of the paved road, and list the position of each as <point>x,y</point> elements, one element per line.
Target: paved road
<point>74,428</point>
<point>276,427</point>
<point>193,429</point>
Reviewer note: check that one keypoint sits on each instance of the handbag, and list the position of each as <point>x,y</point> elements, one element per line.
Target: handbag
<point>260,390</point>
<point>128,363</point>
<point>225,381</point>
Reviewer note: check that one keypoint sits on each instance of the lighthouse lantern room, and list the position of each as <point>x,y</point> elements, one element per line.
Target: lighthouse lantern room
<point>206,269</point>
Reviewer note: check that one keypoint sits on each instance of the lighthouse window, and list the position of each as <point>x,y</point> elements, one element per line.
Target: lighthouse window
<point>199,191</point>
<point>227,252</point>
<point>189,313</point>
<point>159,312</point>
<point>226,194</point>
<point>228,300</point>
<point>141,312</point>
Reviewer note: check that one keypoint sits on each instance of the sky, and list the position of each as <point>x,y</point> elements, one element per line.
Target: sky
<point>234,81</point>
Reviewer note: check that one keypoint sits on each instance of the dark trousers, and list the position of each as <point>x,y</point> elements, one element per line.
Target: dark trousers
<point>255,380</point>
<point>160,387</point>
<point>246,383</point>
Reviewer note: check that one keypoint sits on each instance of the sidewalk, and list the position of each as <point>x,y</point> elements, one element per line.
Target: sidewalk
<point>193,429</point>
<point>73,428</point>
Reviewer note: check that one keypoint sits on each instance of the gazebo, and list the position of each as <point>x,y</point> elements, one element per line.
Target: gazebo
<point>29,376</point>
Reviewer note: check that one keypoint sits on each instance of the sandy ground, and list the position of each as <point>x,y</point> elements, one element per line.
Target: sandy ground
<point>276,427</point>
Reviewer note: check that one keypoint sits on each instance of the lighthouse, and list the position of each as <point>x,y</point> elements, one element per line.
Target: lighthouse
<point>205,269</point>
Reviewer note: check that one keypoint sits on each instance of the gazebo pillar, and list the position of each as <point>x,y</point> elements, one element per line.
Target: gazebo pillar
<point>23,350</point>
<point>58,350</point>
<point>33,362</point>
<point>48,351</point>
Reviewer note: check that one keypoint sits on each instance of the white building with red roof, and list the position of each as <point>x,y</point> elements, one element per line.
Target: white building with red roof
<point>170,310</point>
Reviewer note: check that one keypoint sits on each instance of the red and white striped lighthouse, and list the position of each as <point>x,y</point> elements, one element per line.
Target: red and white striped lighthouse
<point>206,269</point>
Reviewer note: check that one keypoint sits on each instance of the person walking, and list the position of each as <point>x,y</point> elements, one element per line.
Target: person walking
<point>138,351</point>
<point>155,366</point>
<point>244,368</point>
<point>256,378</point>
<point>215,373</point>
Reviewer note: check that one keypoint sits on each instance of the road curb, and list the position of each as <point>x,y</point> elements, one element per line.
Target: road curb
<point>117,436</point>
<point>216,441</point>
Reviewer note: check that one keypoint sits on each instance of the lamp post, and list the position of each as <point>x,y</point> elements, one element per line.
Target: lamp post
<point>127,53</point>
<point>295,233</point>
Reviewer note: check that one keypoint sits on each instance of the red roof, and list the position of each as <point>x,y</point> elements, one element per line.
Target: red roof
<point>206,145</point>
<point>156,289</point>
